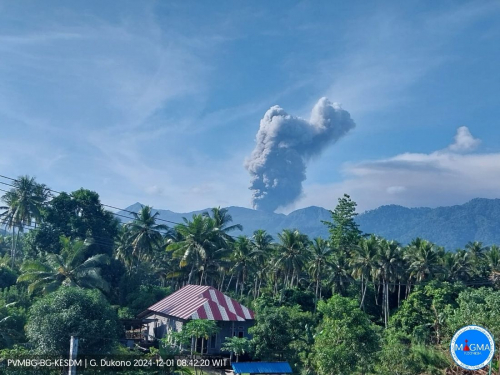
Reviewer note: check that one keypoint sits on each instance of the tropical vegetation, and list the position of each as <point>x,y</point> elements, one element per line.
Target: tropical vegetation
<point>351,303</point>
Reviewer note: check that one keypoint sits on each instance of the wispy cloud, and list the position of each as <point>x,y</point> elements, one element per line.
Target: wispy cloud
<point>443,177</point>
<point>386,54</point>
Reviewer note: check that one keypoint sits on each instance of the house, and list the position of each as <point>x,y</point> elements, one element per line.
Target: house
<point>250,368</point>
<point>198,302</point>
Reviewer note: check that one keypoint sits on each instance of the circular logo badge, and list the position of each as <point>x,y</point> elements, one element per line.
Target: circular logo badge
<point>472,347</point>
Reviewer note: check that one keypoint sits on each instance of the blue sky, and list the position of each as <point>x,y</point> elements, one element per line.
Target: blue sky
<point>160,102</point>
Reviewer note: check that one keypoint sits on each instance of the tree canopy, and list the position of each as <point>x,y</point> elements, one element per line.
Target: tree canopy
<point>71,311</point>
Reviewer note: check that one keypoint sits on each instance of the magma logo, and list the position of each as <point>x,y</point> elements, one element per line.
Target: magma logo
<point>472,347</point>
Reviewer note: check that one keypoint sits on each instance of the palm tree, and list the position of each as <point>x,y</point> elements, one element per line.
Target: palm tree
<point>10,218</point>
<point>387,267</point>
<point>364,263</point>
<point>242,258</point>
<point>67,268</point>
<point>222,219</point>
<point>477,254</point>
<point>146,234</point>
<point>424,259</point>
<point>198,245</point>
<point>262,251</point>
<point>457,266</point>
<point>493,258</point>
<point>24,206</point>
<point>124,249</point>
<point>339,271</point>
<point>320,251</point>
<point>293,254</point>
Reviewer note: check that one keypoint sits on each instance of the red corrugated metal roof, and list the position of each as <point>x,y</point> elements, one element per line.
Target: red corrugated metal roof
<point>202,302</point>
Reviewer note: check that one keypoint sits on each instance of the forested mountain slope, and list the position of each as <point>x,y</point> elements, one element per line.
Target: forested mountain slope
<point>452,227</point>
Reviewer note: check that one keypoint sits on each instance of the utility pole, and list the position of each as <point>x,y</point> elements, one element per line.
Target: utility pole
<point>73,352</point>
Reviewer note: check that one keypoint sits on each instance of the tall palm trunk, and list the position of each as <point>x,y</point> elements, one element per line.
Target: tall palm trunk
<point>202,274</point>
<point>399,291</point>
<point>191,274</point>
<point>12,251</point>
<point>237,283</point>
<point>229,283</point>
<point>255,288</point>
<point>364,285</point>
<point>386,303</point>
<point>316,293</point>
<point>221,284</point>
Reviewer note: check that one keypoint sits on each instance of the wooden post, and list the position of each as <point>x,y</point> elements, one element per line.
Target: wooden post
<point>73,352</point>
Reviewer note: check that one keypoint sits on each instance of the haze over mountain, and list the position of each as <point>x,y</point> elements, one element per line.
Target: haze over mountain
<point>452,227</point>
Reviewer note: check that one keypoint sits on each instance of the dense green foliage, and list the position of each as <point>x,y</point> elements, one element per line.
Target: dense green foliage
<point>237,345</point>
<point>451,227</point>
<point>347,303</point>
<point>75,312</point>
<point>347,341</point>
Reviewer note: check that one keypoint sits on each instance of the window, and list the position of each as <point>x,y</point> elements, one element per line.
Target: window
<point>241,332</point>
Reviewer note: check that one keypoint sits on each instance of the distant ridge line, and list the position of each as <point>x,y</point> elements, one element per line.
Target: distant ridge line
<point>449,226</point>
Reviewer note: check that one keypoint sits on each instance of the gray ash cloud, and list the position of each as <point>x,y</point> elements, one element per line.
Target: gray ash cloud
<point>284,146</point>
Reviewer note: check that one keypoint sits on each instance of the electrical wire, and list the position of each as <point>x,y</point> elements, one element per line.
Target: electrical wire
<point>104,241</point>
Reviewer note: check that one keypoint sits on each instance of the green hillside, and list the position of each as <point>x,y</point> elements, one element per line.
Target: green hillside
<point>452,227</point>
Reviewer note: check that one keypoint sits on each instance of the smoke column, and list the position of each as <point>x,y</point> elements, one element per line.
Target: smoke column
<point>284,146</point>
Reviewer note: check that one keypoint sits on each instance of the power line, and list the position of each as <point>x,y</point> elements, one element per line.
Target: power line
<point>105,242</point>
<point>478,282</point>
<point>94,240</point>
<point>113,213</point>
<point>102,204</point>
<point>109,206</point>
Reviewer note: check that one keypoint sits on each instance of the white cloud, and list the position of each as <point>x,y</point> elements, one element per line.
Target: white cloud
<point>396,189</point>
<point>440,178</point>
<point>154,190</point>
<point>464,141</point>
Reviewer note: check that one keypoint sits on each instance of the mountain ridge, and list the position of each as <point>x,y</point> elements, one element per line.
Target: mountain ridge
<point>448,226</point>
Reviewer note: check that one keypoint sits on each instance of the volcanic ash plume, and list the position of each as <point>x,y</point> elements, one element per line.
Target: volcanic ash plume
<point>284,146</point>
